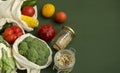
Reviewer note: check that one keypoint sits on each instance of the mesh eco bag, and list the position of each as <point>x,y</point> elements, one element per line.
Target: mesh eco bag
<point>23,63</point>
<point>3,21</point>
<point>12,9</point>
<point>7,63</point>
<point>5,8</point>
<point>16,14</point>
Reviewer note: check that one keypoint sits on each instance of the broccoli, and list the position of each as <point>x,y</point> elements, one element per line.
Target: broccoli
<point>23,47</point>
<point>28,39</point>
<point>32,55</point>
<point>44,49</point>
<point>41,62</point>
<point>33,45</point>
<point>34,50</point>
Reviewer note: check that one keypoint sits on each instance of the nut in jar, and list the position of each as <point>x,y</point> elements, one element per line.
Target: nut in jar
<point>64,60</point>
<point>63,38</point>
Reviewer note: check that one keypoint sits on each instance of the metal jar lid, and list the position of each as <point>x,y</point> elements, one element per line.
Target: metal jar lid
<point>69,28</point>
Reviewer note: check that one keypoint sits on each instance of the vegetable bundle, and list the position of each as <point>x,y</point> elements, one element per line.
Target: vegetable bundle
<point>34,50</point>
<point>31,53</point>
<point>25,51</point>
<point>7,63</point>
<point>12,9</point>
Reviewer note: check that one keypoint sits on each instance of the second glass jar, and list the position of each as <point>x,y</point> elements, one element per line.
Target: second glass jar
<point>63,38</point>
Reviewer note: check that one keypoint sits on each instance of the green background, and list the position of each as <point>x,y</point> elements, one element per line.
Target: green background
<point>97,39</point>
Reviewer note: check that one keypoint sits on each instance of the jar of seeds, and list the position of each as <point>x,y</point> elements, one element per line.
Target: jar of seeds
<point>63,38</point>
<point>64,60</point>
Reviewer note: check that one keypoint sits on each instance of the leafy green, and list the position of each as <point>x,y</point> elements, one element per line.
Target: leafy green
<point>5,26</point>
<point>0,63</point>
<point>29,3</point>
<point>3,41</point>
<point>6,69</point>
<point>7,62</point>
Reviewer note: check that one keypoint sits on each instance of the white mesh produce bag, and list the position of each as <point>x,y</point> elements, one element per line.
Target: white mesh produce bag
<point>5,8</point>
<point>16,14</point>
<point>23,63</point>
<point>3,21</point>
<point>7,63</point>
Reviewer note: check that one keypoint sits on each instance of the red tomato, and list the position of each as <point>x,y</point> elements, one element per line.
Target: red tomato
<point>46,32</point>
<point>60,17</point>
<point>12,33</point>
<point>28,10</point>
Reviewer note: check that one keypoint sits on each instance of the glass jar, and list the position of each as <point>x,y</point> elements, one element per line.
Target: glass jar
<point>63,38</point>
<point>64,60</point>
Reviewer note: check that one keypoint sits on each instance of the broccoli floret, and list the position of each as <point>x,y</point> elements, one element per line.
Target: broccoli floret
<point>47,51</point>
<point>32,55</point>
<point>37,41</point>
<point>23,47</point>
<point>33,45</point>
<point>28,39</point>
<point>41,62</point>
<point>43,52</point>
<point>44,49</point>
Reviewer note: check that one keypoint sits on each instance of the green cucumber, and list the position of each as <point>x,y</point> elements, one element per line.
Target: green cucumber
<point>6,26</point>
<point>29,3</point>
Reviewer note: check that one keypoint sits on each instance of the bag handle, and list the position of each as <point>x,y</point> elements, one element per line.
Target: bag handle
<point>33,70</point>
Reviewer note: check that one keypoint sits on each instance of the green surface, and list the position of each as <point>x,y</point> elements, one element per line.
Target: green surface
<point>97,27</point>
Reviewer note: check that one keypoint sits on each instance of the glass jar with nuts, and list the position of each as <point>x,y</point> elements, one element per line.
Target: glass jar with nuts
<point>64,61</point>
<point>63,38</point>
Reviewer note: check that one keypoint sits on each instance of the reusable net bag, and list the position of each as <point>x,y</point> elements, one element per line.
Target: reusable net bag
<point>17,15</point>
<point>12,9</point>
<point>3,21</point>
<point>24,63</point>
<point>7,63</point>
<point>5,8</point>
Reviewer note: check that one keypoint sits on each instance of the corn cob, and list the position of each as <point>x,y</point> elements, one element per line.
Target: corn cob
<point>30,21</point>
